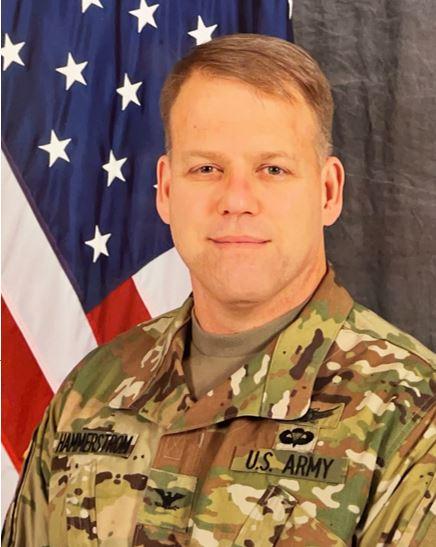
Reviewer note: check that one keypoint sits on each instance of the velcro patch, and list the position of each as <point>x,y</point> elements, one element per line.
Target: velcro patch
<point>94,442</point>
<point>167,500</point>
<point>299,438</point>
<point>285,463</point>
<point>324,415</point>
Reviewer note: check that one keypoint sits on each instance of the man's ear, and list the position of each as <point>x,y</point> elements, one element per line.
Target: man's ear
<point>163,173</point>
<point>332,179</point>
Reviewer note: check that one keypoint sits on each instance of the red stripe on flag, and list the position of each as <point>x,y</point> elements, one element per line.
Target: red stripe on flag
<point>122,309</point>
<point>25,391</point>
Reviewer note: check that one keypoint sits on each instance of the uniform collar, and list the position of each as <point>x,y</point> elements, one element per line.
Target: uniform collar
<point>277,383</point>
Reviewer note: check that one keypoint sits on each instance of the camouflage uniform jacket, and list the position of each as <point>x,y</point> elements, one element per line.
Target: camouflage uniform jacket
<point>325,438</point>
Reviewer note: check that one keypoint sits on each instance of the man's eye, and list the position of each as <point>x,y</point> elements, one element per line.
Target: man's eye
<point>206,169</point>
<point>274,170</point>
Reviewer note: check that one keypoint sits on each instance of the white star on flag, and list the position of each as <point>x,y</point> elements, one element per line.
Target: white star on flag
<point>113,168</point>
<point>144,13</point>
<point>56,149</point>
<point>72,72</point>
<point>11,52</point>
<point>202,34</point>
<point>98,244</point>
<point>128,92</point>
<point>87,3</point>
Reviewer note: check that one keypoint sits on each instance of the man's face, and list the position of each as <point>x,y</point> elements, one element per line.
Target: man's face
<point>243,189</point>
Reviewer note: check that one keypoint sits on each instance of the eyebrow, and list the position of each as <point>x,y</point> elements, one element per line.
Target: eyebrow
<point>202,154</point>
<point>263,156</point>
<point>279,154</point>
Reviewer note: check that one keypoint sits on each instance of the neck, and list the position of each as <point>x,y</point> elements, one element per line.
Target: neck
<point>221,317</point>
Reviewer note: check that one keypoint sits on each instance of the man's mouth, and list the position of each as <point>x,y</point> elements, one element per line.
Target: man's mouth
<point>238,240</point>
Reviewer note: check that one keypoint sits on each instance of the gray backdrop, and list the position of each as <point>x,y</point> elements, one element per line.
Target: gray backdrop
<point>380,57</point>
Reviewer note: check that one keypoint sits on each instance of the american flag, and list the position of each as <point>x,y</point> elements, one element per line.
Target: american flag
<point>85,255</point>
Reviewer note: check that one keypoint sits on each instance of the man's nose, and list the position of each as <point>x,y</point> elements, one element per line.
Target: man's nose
<point>238,195</point>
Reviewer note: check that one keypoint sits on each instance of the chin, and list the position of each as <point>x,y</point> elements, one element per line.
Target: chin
<point>241,295</point>
<point>236,282</point>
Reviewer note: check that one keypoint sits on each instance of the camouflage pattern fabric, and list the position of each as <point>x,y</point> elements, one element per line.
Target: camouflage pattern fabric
<point>326,438</point>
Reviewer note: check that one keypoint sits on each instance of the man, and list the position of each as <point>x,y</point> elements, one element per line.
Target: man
<point>270,409</point>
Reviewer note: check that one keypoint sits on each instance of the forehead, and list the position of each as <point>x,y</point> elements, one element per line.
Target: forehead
<point>208,103</point>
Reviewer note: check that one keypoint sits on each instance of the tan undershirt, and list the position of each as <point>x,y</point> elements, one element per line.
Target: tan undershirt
<point>214,357</point>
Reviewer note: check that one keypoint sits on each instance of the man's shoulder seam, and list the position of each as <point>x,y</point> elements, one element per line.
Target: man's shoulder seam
<point>417,418</point>
<point>396,337</point>
<point>170,314</point>
<point>146,327</point>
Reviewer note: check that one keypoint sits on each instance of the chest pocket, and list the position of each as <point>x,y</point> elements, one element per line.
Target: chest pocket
<point>267,519</point>
<point>94,500</point>
<point>72,503</point>
<point>166,509</point>
<point>278,520</point>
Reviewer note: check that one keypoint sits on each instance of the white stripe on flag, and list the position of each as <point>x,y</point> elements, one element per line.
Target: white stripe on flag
<point>163,283</point>
<point>9,481</point>
<point>37,290</point>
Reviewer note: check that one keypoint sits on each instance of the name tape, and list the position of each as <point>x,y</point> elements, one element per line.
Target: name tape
<point>292,464</point>
<point>94,442</point>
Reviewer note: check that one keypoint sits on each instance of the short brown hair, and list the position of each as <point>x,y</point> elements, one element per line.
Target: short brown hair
<point>269,64</point>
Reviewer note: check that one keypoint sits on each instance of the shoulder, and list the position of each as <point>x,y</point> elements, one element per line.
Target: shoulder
<point>382,369</point>
<point>129,345</point>
<point>365,332</point>
<point>385,376</point>
<point>383,364</point>
<point>367,322</point>
<point>97,376</point>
